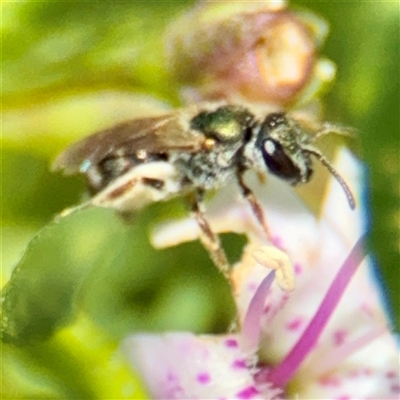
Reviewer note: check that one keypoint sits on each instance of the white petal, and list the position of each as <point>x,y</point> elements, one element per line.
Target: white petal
<point>350,224</point>
<point>185,366</point>
<point>371,373</point>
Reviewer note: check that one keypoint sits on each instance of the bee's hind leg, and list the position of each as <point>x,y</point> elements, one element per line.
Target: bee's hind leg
<point>208,238</point>
<point>254,204</point>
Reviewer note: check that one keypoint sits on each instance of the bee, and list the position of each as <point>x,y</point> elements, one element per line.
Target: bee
<point>188,152</point>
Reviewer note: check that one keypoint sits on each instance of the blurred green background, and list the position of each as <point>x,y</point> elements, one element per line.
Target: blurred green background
<point>70,68</point>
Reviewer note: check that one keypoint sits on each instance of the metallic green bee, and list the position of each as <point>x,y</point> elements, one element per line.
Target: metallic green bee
<point>189,152</point>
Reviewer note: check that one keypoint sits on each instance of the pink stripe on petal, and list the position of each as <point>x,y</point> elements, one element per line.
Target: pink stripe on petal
<point>239,364</point>
<point>391,375</point>
<point>298,269</point>
<point>395,388</point>
<point>231,343</point>
<point>339,337</point>
<point>203,378</point>
<point>294,324</point>
<point>284,372</point>
<point>247,393</point>
<point>330,381</point>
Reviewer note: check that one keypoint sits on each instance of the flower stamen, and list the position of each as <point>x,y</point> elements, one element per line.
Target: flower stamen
<point>284,372</point>
<point>274,258</point>
<point>252,322</point>
<point>279,262</point>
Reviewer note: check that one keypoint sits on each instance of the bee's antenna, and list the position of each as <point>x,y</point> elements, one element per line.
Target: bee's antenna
<point>328,165</point>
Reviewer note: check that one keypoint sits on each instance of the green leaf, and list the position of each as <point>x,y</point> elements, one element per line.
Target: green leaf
<point>74,47</point>
<point>79,362</point>
<point>91,261</point>
<point>40,295</point>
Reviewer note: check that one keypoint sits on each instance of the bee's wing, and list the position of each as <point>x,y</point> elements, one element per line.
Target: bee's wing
<point>154,135</point>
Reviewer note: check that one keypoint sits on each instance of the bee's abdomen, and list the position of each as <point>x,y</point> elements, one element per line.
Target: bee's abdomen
<point>110,168</point>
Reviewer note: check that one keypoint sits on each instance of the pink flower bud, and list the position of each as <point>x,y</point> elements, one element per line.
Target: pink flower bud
<point>256,52</point>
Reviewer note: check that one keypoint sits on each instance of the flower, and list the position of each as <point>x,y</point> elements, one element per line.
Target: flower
<point>247,51</point>
<point>327,339</point>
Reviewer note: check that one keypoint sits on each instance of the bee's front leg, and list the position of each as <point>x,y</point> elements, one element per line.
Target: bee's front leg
<point>254,204</point>
<point>208,238</point>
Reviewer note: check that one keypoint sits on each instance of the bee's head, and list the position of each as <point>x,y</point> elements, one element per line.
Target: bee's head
<point>280,141</point>
<point>287,149</point>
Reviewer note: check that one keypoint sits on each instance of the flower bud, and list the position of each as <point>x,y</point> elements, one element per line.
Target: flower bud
<point>246,51</point>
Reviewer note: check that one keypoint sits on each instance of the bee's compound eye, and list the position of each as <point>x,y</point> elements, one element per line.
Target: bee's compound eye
<point>278,162</point>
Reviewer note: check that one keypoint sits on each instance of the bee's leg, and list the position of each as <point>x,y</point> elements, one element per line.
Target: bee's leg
<point>208,238</point>
<point>254,204</point>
